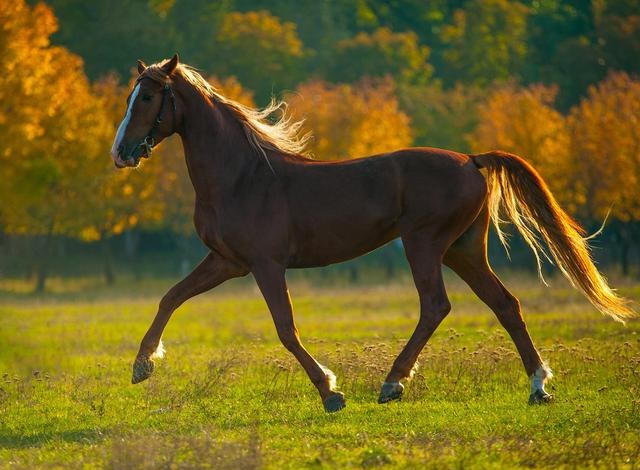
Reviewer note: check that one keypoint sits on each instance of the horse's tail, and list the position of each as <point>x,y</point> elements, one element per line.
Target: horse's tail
<point>518,189</point>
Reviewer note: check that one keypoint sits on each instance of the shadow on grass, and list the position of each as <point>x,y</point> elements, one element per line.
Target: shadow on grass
<point>10,440</point>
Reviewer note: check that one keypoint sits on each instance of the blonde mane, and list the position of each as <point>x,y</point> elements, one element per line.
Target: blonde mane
<point>269,128</point>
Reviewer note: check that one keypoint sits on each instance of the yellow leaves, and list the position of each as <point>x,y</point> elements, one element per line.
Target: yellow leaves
<point>233,89</point>
<point>89,234</point>
<point>349,121</point>
<point>523,121</point>
<point>264,29</point>
<point>591,159</point>
<point>382,53</point>
<point>263,51</point>
<point>119,227</point>
<point>485,41</point>
<point>56,134</point>
<point>605,136</point>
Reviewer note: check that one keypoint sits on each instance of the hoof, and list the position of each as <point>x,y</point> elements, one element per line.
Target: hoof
<point>142,369</point>
<point>390,391</point>
<point>334,402</point>
<point>540,397</point>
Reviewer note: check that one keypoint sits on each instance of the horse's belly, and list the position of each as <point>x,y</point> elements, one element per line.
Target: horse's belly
<point>340,243</point>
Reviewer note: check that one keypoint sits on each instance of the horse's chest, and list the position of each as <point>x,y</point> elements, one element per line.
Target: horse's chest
<point>210,228</point>
<point>231,235</point>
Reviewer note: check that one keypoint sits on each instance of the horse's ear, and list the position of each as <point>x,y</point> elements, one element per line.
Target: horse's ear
<point>141,66</point>
<point>171,65</point>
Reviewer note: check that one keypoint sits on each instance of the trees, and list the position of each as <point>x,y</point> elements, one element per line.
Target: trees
<point>485,42</point>
<point>607,144</point>
<point>118,200</point>
<point>379,54</point>
<point>590,159</point>
<point>468,90</point>
<point>523,121</point>
<point>110,37</point>
<point>441,117</point>
<point>350,121</point>
<point>274,47</point>
<point>51,128</point>
<point>605,136</point>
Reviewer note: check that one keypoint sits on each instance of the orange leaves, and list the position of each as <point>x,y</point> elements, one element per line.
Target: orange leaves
<point>349,121</point>
<point>606,139</point>
<point>56,129</point>
<point>262,28</point>
<point>47,122</point>
<point>259,48</point>
<point>232,89</point>
<point>590,158</point>
<point>382,53</point>
<point>523,121</point>
<point>486,41</point>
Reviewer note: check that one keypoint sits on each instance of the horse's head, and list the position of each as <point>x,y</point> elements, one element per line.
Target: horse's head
<point>150,117</point>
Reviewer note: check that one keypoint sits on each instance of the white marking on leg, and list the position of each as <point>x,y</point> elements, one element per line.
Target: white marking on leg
<point>159,352</point>
<point>540,377</point>
<point>331,377</point>
<point>122,128</point>
<point>413,370</point>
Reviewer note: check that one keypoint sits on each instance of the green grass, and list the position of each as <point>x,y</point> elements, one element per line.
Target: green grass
<point>228,395</point>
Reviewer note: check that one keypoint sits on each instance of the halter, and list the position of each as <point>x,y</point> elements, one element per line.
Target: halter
<point>149,142</point>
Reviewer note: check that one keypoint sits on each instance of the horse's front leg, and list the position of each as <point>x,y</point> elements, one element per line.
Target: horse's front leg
<point>270,278</point>
<point>213,270</point>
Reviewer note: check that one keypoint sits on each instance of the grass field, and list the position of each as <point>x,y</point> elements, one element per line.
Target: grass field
<point>228,395</point>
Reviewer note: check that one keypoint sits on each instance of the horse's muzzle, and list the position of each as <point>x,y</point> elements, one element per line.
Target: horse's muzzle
<point>133,156</point>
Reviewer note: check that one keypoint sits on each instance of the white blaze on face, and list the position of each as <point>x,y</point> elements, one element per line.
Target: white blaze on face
<point>123,125</point>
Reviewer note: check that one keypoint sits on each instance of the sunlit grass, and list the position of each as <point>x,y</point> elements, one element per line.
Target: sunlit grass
<point>228,395</point>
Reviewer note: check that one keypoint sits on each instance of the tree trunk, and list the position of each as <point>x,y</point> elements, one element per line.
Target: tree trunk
<point>354,274</point>
<point>390,268</point>
<point>182,243</point>
<point>131,244</point>
<point>42,263</point>
<point>624,258</point>
<point>109,276</point>
<point>625,238</point>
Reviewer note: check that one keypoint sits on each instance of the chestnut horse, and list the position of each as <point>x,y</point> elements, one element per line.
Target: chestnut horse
<point>261,207</point>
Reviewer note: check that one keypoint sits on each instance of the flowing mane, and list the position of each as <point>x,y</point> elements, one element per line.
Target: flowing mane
<point>269,128</point>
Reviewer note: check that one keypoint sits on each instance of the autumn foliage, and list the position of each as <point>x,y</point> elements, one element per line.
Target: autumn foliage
<point>349,121</point>
<point>523,121</point>
<point>606,141</point>
<point>374,92</point>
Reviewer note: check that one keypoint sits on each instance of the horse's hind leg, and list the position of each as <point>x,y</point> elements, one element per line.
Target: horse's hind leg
<point>468,258</point>
<point>426,266</point>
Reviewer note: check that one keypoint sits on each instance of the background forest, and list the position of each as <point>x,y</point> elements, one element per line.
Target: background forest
<point>553,81</point>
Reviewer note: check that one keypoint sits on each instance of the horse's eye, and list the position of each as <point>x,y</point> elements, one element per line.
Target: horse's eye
<point>146,97</point>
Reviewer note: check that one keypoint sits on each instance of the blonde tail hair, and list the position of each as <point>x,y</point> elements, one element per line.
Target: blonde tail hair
<point>518,189</point>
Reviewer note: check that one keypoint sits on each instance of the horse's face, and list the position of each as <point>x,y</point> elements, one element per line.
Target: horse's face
<point>150,116</point>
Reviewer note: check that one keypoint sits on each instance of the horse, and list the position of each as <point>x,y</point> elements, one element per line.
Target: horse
<point>262,207</point>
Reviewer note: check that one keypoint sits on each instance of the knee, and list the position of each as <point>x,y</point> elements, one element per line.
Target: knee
<point>289,339</point>
<point>508,312</point>
<point>433,314</point>
<point>168,302</point>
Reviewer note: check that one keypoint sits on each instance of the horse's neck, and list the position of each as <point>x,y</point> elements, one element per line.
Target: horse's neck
<point>216,150</point>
